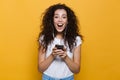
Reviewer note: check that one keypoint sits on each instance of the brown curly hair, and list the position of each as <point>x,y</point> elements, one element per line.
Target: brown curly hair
<point>48,29</point>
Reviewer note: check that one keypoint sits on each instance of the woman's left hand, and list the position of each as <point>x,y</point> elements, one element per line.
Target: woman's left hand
<point>62,53</point>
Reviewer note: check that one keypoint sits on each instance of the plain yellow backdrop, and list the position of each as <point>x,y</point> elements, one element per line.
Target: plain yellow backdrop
<point>19,29</point>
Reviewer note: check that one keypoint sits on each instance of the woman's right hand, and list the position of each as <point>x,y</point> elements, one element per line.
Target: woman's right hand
<point>54,52</point>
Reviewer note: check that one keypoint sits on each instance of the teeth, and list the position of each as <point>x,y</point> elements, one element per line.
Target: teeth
<point>60,24</point>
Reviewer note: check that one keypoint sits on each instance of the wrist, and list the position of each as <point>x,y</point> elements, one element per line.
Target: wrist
<point>53,56</point>
<point>65,56</point>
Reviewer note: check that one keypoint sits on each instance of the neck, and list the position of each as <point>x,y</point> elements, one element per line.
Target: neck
<point>59,35</point>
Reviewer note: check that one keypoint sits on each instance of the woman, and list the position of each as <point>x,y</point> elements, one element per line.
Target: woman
<point>59,52</point>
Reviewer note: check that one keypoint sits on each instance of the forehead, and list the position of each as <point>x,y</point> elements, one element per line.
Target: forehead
<point>60,11</point>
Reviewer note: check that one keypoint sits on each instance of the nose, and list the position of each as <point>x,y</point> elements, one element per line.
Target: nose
<point>60,19</point>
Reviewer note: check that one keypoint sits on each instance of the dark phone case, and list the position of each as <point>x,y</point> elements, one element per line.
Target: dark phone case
<point>59,46</point>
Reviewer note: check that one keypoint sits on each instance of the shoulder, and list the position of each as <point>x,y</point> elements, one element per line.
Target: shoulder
<point>78,40</point>
<point>41,38</point>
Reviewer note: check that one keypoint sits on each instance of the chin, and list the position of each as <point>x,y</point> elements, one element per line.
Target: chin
<point>59,31</point>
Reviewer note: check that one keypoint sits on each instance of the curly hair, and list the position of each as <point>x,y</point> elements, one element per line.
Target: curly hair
<point>48,29</point>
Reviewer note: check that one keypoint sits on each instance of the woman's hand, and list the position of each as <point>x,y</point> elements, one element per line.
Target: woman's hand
<point>61,53</point>
<point>54,52</point>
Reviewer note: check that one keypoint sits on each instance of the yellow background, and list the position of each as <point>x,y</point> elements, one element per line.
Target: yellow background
<point>19,29</point>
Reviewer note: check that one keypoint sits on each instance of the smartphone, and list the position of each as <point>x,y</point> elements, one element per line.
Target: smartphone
<point>59,46</point>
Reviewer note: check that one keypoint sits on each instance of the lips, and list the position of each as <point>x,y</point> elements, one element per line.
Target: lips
<point>59,25</point>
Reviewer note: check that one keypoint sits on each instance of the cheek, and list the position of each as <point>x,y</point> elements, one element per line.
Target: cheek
<point>66,21</point>
<point>55,23</point>
<point>55,20</point>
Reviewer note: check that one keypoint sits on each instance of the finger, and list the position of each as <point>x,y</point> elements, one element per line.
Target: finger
<point>64,49</point>
<point>63,56</point>
<point>54,49</point>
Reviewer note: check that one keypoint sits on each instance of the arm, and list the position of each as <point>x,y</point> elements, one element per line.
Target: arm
<point>43,63</point>
<point>74,65</point>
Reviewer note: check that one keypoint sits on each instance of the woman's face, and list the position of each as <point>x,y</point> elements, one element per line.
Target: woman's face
<point>60,20</point>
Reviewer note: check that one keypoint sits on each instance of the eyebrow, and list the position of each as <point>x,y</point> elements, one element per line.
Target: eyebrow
<point>62,14</point>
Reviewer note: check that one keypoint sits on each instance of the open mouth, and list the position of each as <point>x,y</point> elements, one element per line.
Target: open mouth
<point>59,25</point>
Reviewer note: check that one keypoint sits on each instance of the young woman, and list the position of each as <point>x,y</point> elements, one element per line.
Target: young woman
<point>59,52</point>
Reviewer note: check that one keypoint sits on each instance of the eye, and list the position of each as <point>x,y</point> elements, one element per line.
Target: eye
<point>55,16</point>
<point>64,17</point>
